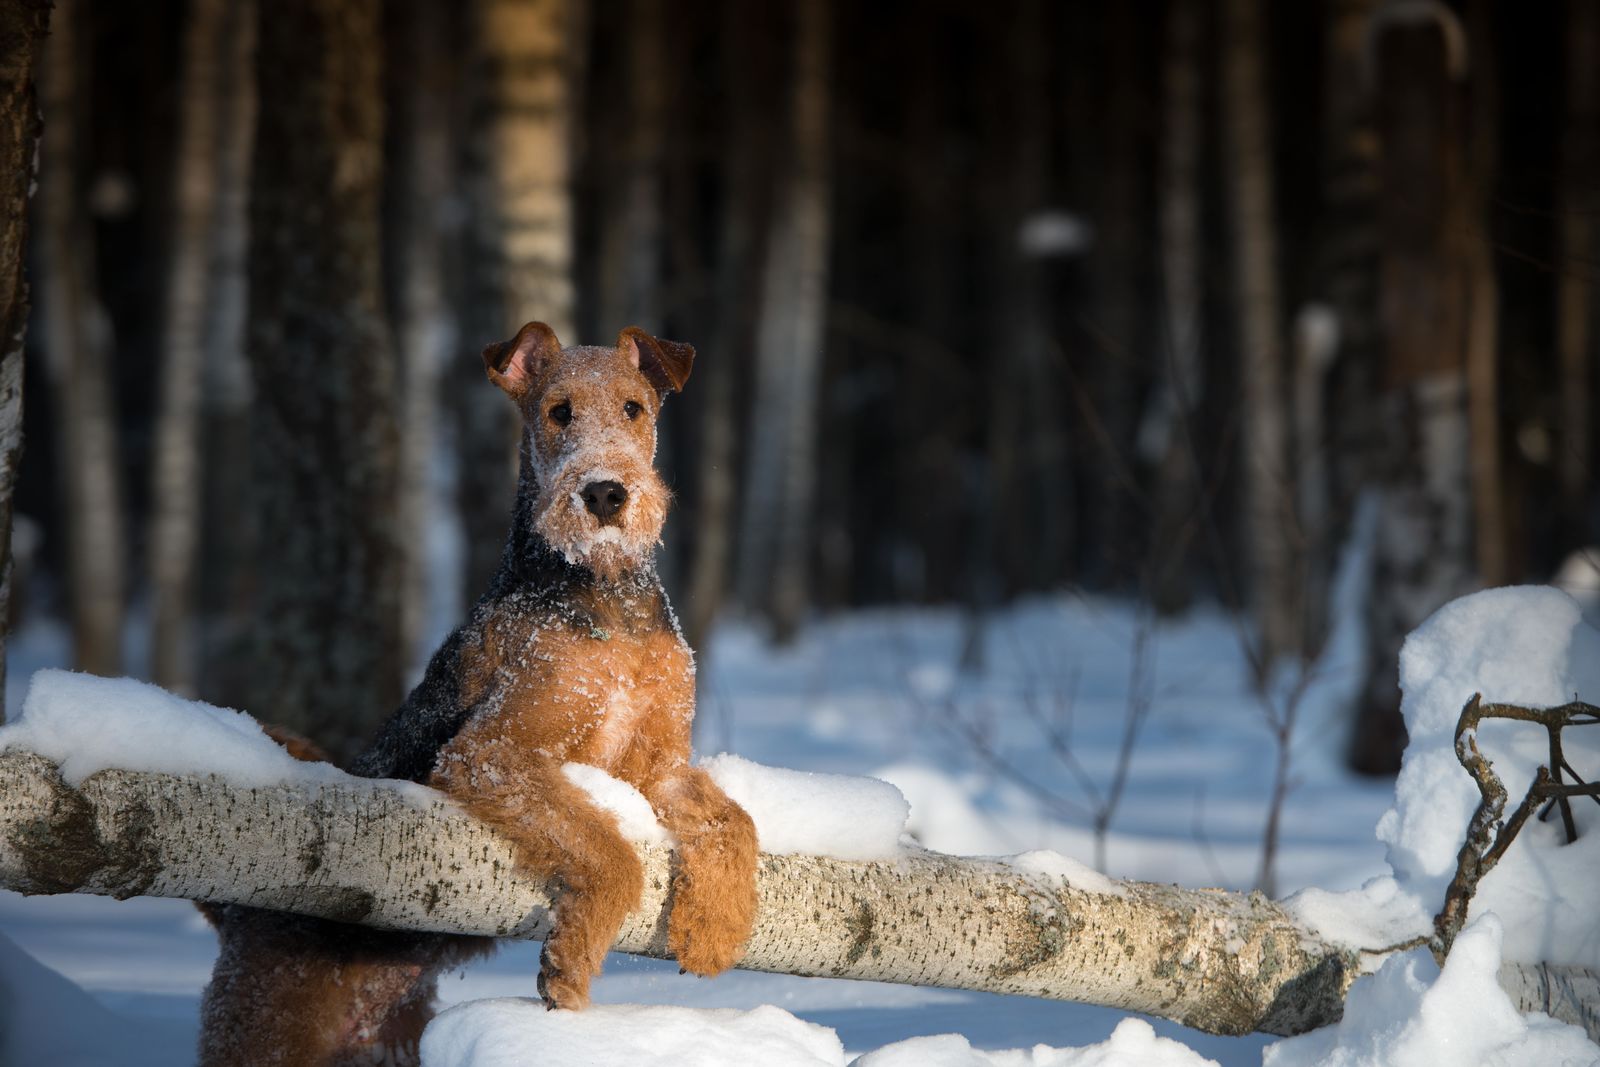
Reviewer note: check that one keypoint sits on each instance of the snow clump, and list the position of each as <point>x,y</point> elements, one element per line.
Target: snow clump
<point>1412,1014</point>
<point>844,816</point>
<point>1133,1043</point>
<point>85,723</point>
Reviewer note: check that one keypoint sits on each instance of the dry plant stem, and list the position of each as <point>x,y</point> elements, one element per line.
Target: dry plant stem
<point>1138,708</point>
<point>1221,962</point>
<point>1487,840</point>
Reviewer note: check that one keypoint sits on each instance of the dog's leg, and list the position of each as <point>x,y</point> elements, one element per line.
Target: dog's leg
<point>714,891</point>
<point>558,832</point>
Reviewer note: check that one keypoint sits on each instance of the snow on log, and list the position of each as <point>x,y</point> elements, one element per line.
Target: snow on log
<point>404,858</point>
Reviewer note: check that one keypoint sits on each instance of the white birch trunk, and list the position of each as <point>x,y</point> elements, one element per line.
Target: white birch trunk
<point>1222,962</point>
<point>175,462</point>
<point>76,342</point>
<point>780,476</point>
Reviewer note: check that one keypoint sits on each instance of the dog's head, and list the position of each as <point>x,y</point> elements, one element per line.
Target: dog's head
<point>590,433</point>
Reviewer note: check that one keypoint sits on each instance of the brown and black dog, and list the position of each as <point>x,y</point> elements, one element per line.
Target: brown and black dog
<point>573,655</point>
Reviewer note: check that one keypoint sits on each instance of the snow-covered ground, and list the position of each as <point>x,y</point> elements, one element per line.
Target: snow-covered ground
<point>1019,754</point>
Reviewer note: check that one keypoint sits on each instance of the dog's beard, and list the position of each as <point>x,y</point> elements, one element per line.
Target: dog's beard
<point>610,551</point>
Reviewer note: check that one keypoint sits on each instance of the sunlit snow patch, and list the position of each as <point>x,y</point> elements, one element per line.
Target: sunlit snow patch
<point>1061,868</point>
<point>844,816</point>
<point>85,724</point>
<point>518,1033</point>
<point>1132,1044</point>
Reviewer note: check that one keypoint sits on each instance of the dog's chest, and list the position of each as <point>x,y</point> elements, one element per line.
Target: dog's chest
<point>618,722</point>
<point>605,699</point>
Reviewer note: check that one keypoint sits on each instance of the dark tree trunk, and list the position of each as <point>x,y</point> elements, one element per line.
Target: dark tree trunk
<point>777,524</point>
<point>228,537</point>
<point>419,81</point>
<point>1168,430</point>
<point>328,628</point>
<point>740,250</point>
<point>1577,336</point>
<point>1114,372</point>
<point>632,225</point>
<point>22,28</point>
<point>518,265</point>
<point>76,335</point>
<point>176,484</point>
<point>1431,224</point>
<point>1269,489</point>
<point>1340,460</point>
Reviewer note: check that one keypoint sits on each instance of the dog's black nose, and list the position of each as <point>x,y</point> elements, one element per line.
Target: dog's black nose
<point>604,499</point>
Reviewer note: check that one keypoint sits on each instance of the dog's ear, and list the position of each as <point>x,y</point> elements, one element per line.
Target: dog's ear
<point>514,365</point>
<point>665,364</point>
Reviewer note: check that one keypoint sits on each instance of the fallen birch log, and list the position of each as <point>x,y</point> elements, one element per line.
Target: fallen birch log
<point>1223,962</point>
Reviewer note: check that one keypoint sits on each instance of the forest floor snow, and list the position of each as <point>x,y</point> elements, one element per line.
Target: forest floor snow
<point>1016,756</point>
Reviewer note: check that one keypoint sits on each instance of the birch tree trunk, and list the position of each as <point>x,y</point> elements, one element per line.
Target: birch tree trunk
<point>1269,492</point>
<point>519,261</point>
<point>175,463</point>
<point>328,629</point>
<point>1222,962</point>
<point>780,472</point>
<point>22,27</point>
<point>76,343</point>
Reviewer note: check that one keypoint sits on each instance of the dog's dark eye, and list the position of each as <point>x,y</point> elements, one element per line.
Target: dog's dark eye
<point>561,413</point>
<point>632,409</point>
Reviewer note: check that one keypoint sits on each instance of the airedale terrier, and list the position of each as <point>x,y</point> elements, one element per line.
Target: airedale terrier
<point>573,655</point>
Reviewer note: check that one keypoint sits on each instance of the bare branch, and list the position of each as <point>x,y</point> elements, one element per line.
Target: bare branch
<point>1487,839</point>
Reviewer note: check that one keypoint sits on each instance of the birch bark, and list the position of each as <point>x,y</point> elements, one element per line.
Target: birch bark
<point>1222,962</point>
<point>22,28</point>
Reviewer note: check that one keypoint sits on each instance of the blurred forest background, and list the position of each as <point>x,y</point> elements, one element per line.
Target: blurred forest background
<point>1163,299</point>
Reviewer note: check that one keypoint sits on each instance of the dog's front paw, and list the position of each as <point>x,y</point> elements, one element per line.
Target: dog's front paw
<point>561,987</point>
<point>705,941</point>
<point>709,956</point>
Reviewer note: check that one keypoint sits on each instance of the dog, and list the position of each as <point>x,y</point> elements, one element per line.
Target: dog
<point>573,655</point>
